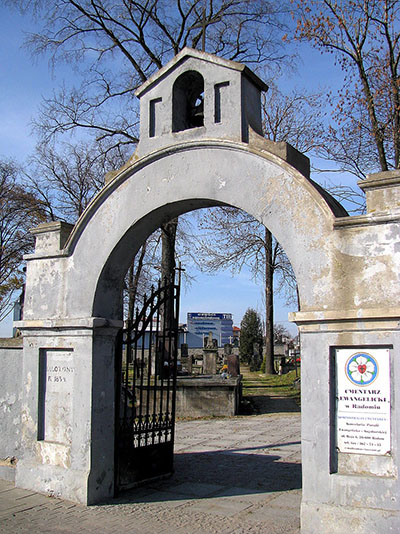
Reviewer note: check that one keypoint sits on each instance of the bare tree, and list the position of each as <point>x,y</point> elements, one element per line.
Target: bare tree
<point>280,332</point>
<point>364,39</point>
<point>67,177</point>
<point>237,239</point>
<point>115,46</point>
<point>19,212</point>
<point>141,273</point>
<point>233,239</point>
<point>297,117</point>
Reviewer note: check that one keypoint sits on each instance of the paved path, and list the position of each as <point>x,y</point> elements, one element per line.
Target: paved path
<point>240,475</point>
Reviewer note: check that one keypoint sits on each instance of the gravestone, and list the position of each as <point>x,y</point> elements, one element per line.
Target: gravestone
<point>210,353</point>
<point>209,343</point>
<point>210,363</point>
<point>257,358</point>
<point>233,363</point>
<point>227,349</point>
<point>186,358</point>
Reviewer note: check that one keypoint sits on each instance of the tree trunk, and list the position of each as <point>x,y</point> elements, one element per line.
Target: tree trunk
<point>376,130</point>
<point>168,237</point>
<point>269,306</point>
<point>133,281</point>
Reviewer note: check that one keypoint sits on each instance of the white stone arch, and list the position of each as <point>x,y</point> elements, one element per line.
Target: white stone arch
<point>272,191</point>
<point>170,182</point>
<point>347,269</point>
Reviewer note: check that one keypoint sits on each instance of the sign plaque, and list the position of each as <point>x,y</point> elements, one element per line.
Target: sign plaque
<point>363,401</point>
<point>57,385</point>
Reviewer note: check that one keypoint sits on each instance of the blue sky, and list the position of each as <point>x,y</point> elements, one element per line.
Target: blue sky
<point>25,81</point>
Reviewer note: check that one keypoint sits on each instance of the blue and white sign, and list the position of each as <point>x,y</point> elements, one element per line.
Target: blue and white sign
<point>200,324</point>
<point>363,401</point>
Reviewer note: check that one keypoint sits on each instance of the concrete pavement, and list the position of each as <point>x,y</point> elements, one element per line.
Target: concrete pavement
<point>237,475</point>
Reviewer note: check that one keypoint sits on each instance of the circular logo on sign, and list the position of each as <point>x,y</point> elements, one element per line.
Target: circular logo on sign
<point>361,369</point>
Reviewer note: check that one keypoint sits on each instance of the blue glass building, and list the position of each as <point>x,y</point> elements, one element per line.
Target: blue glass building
<point>199,325</point>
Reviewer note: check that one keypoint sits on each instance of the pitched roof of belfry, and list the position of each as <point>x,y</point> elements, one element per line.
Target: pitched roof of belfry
<point>204,56</point>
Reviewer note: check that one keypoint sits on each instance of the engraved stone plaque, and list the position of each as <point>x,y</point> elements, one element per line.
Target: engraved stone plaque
<point>57,374</point>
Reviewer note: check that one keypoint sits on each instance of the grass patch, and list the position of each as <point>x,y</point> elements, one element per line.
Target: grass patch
<point>256,383</point>
<point>270,380</point>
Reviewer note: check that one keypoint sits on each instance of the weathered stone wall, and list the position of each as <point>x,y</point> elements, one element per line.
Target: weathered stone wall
<point>10,404</point>
<point>347,486</point>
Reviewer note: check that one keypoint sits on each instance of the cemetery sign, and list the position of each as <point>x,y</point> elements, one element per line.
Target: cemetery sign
<point>363,401</point>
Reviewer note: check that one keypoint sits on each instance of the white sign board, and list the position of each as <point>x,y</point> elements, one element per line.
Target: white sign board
<point>363,401</point>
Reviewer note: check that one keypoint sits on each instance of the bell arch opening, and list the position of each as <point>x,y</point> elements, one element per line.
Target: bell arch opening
<point>188,101</point>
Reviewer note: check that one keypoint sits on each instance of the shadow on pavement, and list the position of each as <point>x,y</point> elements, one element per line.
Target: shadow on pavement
<point>263,404</point>
<point>222,473</point>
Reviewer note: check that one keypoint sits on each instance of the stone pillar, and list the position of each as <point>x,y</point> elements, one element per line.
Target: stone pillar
<point>327,473</point>
<point>68,404</point>
<point>51,237</point>
<point>354,487</point>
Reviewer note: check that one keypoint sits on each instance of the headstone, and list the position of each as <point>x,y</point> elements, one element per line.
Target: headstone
<point>210,353</point>
<point>209,342</point>
<point>186,359</point>
<point>210,363</point>
<point>227,349</point>
<point>257,357</point>
<point>189,364</point>
<point>233,363</point>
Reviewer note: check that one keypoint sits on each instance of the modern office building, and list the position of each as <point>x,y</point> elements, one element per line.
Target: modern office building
<point>200,324</point>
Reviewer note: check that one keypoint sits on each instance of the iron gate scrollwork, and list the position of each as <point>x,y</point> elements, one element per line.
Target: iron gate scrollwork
<point>146,368</point>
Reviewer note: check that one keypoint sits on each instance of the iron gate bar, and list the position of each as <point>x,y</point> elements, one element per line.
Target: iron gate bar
<point>155,372</point>
<point>145,423</point>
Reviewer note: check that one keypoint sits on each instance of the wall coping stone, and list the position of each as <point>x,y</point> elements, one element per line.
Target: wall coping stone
<point>365,220</point>
<point>360,314</point>
<point>380,179</point>
<point>83,322</point>
<point>211,381</point>
<point>11,342</point>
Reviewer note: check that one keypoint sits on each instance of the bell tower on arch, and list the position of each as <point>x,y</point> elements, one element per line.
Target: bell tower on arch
<point>199,96</point>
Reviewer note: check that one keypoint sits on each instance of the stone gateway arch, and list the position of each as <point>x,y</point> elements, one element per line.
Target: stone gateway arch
<point>201,146</point>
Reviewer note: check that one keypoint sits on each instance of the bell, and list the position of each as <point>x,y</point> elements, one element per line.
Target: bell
<point>197,115</point>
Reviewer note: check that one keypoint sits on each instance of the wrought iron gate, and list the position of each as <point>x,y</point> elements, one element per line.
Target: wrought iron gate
<point>146,367</point>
